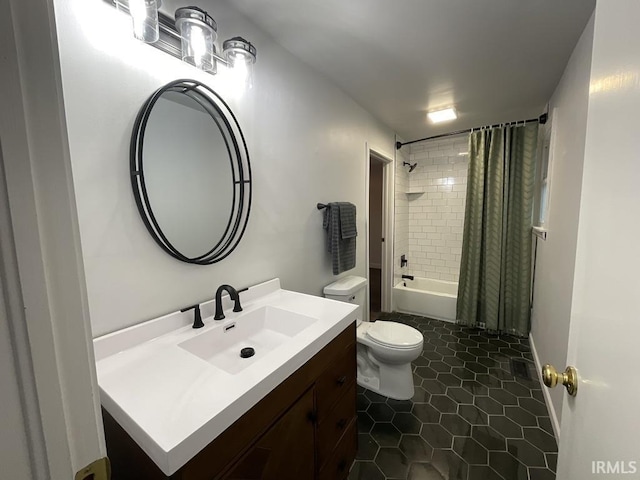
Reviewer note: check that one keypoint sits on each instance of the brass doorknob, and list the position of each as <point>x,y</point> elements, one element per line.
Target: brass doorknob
<point>568,378</point>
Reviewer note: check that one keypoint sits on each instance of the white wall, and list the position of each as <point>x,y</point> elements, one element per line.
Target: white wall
<point>436,217</point>
<point>556,256</point>
<point>307,144</point>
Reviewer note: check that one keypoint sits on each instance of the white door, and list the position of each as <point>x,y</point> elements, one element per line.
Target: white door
<point>600,428</point>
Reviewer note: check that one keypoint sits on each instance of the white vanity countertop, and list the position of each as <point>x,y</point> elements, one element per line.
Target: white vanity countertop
<point>173,403</point>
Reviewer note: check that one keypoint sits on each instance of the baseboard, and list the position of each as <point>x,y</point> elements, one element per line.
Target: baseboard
<point>545,391</point>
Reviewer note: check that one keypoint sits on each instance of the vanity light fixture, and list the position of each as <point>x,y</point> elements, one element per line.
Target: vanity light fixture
<point>190,37</point>
<point>198,31</point>
<point>144,18</point>
<point>240,55</point>
<point>444,115</point>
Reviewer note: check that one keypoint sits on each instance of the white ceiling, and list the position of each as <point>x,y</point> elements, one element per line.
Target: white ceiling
<point>495,60</point>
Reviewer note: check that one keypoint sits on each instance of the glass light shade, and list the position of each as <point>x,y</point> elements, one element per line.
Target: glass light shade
<point>144,18</point>
<point>241,55</point>
<point>198,32</point>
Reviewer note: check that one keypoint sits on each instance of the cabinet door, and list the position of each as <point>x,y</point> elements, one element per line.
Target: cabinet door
<point>285,451</point>
<point>335,380</point>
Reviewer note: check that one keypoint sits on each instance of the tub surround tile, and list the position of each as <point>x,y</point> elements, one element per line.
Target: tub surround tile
<point>470,418</point>
<point>401,207</point>
<point>429,223</point>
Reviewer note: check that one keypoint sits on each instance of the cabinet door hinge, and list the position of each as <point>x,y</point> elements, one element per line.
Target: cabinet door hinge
<point>98,470</point>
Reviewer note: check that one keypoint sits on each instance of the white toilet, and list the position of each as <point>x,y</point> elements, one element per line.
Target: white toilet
<point>385,349</point>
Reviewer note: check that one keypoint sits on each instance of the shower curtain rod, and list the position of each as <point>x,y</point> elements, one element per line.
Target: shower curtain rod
<point>542,119</point>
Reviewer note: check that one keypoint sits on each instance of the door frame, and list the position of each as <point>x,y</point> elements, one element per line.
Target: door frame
<point>41,259</point>
<point>388,222</point>
<point>17,394</point>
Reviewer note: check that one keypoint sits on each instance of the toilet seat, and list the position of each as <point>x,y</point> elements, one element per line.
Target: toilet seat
<point>394,335</point>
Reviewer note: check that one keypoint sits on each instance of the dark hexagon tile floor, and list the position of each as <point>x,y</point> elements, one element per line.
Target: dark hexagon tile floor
<point>470,418</point>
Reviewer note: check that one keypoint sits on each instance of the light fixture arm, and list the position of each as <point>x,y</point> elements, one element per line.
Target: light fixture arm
<point>169,41</point>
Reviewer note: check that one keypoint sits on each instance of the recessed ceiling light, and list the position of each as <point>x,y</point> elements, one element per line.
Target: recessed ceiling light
<point>443,115</point>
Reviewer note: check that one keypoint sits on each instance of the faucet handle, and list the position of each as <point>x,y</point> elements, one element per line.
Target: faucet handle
<point>197,318</point>
<point>236,305</point>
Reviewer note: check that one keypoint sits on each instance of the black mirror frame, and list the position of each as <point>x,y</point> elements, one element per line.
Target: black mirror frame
<point>240,168</point>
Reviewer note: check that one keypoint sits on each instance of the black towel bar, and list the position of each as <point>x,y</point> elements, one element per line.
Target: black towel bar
<point>320,206</point>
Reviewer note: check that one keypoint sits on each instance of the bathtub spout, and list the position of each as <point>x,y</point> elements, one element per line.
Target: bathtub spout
<point>408,277</point>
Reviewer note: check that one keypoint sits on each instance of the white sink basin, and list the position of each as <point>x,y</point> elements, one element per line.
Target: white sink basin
<point>174,389</point>
<point>263,329</point>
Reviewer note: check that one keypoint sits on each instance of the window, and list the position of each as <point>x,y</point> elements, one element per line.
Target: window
<point>545,161</point>
<point>544,184</point>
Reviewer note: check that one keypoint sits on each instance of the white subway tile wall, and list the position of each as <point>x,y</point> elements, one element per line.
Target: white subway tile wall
<point>435,204</point>
<point>401,243</point>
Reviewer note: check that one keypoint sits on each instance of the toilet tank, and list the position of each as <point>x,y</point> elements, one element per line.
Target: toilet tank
<point>350,289</point>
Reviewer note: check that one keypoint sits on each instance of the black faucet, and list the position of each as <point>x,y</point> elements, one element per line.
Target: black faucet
<point>234,296</point>
<point>197,318</point>
<point>408,277</point>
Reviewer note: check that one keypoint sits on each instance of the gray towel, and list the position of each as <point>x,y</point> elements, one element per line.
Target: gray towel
<point>347,220</point>
<point>341,238</point>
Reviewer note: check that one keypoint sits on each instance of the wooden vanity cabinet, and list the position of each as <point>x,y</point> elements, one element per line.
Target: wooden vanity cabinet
<point>285,450</point>
<point>304,429</point>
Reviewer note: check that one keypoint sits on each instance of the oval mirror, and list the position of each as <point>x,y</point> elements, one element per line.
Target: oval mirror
<point>190,172</point>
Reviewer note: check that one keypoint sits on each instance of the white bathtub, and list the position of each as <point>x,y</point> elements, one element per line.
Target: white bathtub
<point>427,297</point>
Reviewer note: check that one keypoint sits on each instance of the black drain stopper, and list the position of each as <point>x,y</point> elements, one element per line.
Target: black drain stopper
<point>247,352</point>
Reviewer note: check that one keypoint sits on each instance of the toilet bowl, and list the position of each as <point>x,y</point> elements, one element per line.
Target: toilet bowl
<point>385,349</point>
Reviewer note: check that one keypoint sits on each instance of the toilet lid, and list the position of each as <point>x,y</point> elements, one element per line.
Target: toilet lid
<point>392,334</point>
